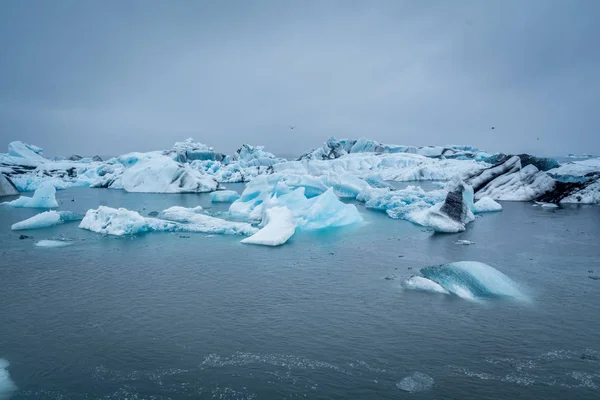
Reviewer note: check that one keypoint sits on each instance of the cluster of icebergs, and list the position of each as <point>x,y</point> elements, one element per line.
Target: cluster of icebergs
<point>284,196</point>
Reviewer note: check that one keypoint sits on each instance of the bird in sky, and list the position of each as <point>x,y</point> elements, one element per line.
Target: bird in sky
<point>292,127</point>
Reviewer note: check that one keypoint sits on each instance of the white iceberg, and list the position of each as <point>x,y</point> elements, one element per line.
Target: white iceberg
<point>53,243</point>
<point>486,204</point>
<point>46,219</point>
<point>160,174</point>
<point>192,220</point>
<point>43,197</point>
<point>278,227</point>
<point>190,150</point>
<point>224,196</point>
<point>576,171</point>
<point>27,151</point>
<point>121,222</point>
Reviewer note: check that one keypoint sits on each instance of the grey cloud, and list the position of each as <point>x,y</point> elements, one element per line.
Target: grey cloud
<point>108,77</point>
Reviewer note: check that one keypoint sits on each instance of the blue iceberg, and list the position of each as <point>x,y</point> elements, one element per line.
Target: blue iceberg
<point>470,280</point>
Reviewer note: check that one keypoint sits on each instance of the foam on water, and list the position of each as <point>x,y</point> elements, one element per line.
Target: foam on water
<point>416,382</point>
<point>7,386</point>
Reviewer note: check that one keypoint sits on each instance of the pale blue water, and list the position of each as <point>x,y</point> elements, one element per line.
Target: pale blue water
<point>158,316</point>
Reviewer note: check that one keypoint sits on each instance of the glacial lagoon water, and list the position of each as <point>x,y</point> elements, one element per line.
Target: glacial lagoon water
<point>188,316</point>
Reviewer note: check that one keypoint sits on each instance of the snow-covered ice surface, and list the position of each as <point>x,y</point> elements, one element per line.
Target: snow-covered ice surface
<point>43,197</point>
<point>46,219</point>
<point>195,221</point>
<point>224,196</point>
<point>160,174</point>
<point>7,386</point>
<point>53,243</point>
<point>486,204</point>
<point>278,227</point>
<point>576,171</point>
<point>121,222</point>
<point>469,280</point>
<point>354,168</point>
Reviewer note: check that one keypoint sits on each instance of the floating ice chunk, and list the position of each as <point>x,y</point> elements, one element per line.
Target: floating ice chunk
<point>545,205</point>
<point>279,227</point>
<point>7,386</point>
<point>486,204</point>
<point>28,151</point>
<point>472,279</point>
<point>193,221</point>
<point>325,211</point>
<point>450,216</point>
<point>43,197</point>
<point>416,382</point>
<point>46,219</point>
<point>53,243</point>
<point>224,196</point>
<point>189,150</point>
<point>424,284</point>
<point>576,171</point>
<point>160,174</point>
<point>7,187</point>
<point>398,204</point>
<point>121,222</point>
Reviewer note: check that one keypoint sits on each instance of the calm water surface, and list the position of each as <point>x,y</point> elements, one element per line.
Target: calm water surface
<point>178,316</point>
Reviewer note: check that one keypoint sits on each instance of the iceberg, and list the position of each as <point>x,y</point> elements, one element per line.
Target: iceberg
<point>486,204</point>
<point>7,386</point>
<point>190,150</point>
<point>160,174</point>
<point>27,151</point>
<point>224,196</point>
<point>194,221</point>
<point>278,227</point>
<point>401,204</point>
<point>120,222</point>
<point>7,188</point>
<point>321,209</point>
<point>577,171</point>
<point>53,243</point>
<point>43,197</point>
<point>472,280</point>
<point>46,219</point>
<point>334,148</point>
<point>452,215</point>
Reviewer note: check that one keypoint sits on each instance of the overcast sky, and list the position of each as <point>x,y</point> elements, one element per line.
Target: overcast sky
<point>107,77</point>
